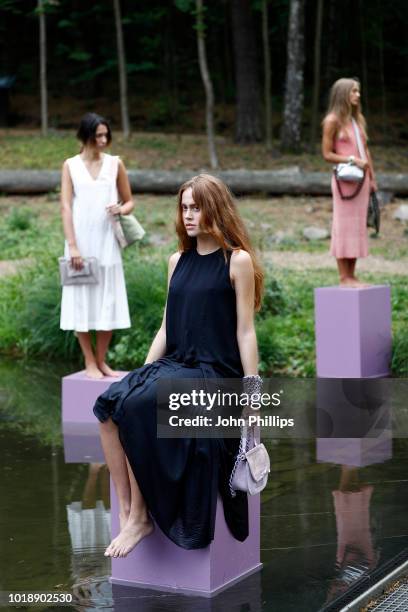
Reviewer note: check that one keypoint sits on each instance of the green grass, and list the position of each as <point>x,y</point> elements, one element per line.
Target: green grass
<point>30,300</point>
<point>28,149</point>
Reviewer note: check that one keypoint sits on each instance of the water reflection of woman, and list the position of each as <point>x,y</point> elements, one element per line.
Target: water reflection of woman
<point>356,555</point>
<point>207,331</point>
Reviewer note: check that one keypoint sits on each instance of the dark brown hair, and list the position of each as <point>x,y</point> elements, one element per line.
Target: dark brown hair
<point>88,126</point>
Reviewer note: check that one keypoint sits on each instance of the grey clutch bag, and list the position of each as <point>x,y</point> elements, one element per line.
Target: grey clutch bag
<point>88,275</point>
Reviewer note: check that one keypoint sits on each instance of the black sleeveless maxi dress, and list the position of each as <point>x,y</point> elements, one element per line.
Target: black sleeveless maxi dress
<point>180,478</point>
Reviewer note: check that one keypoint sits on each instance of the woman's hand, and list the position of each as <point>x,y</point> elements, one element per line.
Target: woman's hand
<point>373,185</point>
<point>76,260</point>
<point>114,209</point>
<point>361,163</point>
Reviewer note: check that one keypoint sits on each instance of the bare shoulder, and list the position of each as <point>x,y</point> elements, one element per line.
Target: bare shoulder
<point>331,122</point>
<point>241,263</point>
<point>241,258</point>
<point>173,259</point>
<point>66,171</point>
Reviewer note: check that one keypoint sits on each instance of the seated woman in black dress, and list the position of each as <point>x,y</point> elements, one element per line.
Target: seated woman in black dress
<point>214,286</point>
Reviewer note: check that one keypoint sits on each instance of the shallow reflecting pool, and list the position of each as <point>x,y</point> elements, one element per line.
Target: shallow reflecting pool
<point>326,523</point>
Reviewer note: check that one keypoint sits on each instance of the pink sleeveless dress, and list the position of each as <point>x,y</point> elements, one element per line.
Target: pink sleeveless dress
<point>349,229</point>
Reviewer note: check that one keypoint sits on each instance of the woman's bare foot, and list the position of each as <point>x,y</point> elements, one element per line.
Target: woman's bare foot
<point>123,519</point>
<point>353,283</point>
<point>92,371</point>
<point>360,283</point>
<point>128,538</point>
<point>107,371</point>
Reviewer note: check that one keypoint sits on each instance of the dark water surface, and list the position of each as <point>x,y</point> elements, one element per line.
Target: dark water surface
<point>324,525</point>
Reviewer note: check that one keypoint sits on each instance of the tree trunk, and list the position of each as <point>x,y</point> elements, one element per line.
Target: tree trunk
<point>248,121</point>
<point>205,75</point>
<point>382,77</point>
<point>283,181</point>
<point>333,62</point>
<point>364,71</point>
<point>43,68</point>
<point>293,105</point>
<point>122,70</point>
<point>316,74</point>
<point>267,76</point>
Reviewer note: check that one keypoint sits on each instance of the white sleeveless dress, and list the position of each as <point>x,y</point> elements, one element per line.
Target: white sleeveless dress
<point>103,306</point>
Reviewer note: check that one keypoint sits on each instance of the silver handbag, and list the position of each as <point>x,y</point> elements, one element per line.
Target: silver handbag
<point>349,172</point>
<point>252,465</point>
<point>88,275</point>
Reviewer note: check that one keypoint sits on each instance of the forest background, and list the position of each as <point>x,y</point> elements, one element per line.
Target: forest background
<point>251,47</point>
<point>270,65</point>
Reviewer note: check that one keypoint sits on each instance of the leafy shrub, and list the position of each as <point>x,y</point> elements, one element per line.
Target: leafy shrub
<point>20,219</point>
<point>30,313</point>
<point>399,361</point>
<point>273,300</point>
<point>270,353</point>
<point>146,287</point>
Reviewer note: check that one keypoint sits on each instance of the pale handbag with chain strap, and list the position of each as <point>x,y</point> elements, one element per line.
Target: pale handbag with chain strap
<point>350,172</point>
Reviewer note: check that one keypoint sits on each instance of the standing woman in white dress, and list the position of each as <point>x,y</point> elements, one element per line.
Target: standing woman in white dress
<point>92,184</point>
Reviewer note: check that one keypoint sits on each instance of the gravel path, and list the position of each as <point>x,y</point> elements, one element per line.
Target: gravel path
<point>8,267</point>
<point>294,260</point>
<point>299,260</point>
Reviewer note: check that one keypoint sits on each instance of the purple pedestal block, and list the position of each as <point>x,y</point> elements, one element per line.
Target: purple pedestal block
<point>79,394</point>
<point>355,452</point>
<point>157,563</point>
<point>353,332</point>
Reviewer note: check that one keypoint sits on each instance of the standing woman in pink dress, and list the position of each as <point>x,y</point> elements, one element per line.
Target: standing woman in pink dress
<point>349,230</point>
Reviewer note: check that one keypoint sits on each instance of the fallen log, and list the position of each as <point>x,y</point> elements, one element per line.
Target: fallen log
<point>241,182</point>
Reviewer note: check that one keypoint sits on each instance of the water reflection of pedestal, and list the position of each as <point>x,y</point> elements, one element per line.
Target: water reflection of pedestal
<point>353,421</point>
<point>243,596</point>
<point>353,345</point>
<point>157,563</point>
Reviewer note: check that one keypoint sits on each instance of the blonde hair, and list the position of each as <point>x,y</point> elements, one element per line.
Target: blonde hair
<point>220,218</point>
<point>341,107</point>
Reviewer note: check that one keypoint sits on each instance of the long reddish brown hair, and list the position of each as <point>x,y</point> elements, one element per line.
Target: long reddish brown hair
<point>220,218</point>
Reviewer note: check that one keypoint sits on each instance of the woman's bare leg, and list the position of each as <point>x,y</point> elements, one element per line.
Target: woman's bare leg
<point>357,282</point>
<point>134,520</point>
<point>92,370</point>
<point>103,339</point>
<point>344,271</point>
<point>138,526</point>
<point>116,461</point>
<point>346,267</point>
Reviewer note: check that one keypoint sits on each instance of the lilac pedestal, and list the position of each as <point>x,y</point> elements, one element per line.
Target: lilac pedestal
<point>353,340</point>
<point>79,394</point>
<point>353,332</point>
<point>157,563</point>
